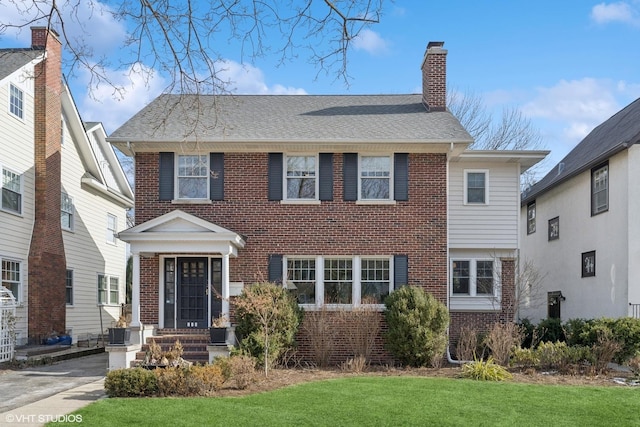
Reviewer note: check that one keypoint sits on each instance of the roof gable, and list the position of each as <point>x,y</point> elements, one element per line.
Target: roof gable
<point>11,60</point>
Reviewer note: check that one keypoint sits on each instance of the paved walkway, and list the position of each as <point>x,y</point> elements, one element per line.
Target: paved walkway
<point>37,395</point>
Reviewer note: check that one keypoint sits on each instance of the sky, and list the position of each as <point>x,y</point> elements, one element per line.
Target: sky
<point>566,65</point>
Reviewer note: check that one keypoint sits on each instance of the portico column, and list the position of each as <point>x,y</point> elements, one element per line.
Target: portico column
<point>135,285</point>
<point>225,285</point>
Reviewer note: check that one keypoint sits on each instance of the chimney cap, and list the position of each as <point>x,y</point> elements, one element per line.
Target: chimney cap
<point>435,44</point>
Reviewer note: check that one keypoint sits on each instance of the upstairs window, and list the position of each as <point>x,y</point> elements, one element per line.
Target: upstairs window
<point>531,218</point>
<point>475,187</point>
<point>66,212</point>
<point>16,101</point>
<point>375,178</point>
<point>600,189</point>
<point>112,224</point>
<point>11,191</point>
<point>193,177</point>
<point>301,176</point>
<point>69,287</point>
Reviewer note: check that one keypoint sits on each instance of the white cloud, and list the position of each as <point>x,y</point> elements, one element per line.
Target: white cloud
<point>621,11</point>
<point>247,79</point>
<point>370,42</point>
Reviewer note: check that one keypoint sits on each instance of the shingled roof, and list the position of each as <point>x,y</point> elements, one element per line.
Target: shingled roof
<point>302,118</point>
<point>614,135</point>
<point>13,59</point>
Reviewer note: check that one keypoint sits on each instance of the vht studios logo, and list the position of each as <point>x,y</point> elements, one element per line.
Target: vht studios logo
<point>43,418</point>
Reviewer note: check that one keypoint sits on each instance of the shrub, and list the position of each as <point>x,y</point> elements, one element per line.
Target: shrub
<point>204,380</point>
<point>355,364</point>
<point>634,365</point>
<point>501,340</point>
<point>172,381</point>
<point>321,331</point>
<point>243,370</point>
<point>528,333</point>
<point>417,324</point>
<point>550,330</point>
<point>360,326</point>
<point>133,382</point>
<point>525,358</point>
<point>467,344</point>
<point>485,371</point>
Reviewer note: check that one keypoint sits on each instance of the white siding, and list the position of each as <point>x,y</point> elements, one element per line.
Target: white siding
<point>633,198</point>
<point>607,233</point>
<point>490,226</point>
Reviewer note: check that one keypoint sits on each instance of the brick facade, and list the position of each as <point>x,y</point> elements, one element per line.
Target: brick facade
<point>47,265</point>
<point>434,77</point>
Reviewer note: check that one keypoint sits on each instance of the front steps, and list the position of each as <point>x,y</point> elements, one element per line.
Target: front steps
<point>193,341</point>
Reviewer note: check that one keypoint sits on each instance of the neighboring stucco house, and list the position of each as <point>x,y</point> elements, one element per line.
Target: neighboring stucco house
<point>581,228</point>
<point>341,198</point>
<point>64,196</point>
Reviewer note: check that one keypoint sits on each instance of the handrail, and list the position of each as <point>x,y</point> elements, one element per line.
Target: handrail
<point>634,311</point>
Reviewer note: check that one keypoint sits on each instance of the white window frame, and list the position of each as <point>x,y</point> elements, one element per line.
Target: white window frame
<point>286,178</point>
<point>467,172</point>
<point>205,177</point>
<point>474,300</point>
<point>18,283</point>
<point>389,178</point>
<point>69,211</point>
<point>16,101</point>
<point>356,278</point>
<point>110,289</point>
<point>20,192</point>
<point>595,210</point>
<point>69,287</point>
<point>531,217</point>
<point>112,229</point>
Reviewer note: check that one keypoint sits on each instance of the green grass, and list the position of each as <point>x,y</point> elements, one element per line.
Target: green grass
<point>384,401</point>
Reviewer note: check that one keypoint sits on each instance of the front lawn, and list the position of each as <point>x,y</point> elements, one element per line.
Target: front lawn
<point>380,401</point>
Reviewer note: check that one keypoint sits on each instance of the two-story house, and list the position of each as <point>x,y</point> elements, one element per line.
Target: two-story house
<point>579,226</point>
<point>64,197</point>
<point>341,198</point>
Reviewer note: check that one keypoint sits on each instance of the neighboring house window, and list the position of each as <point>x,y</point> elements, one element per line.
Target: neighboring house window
<point>554,228</point>
<point>375,280</point>
<point>301,176</point>
<point>473,277</point>
<point>600,189</point>
<point>112,225</point>
<point>589,264</point>
<point>11,191</point>
<point>16,101</point>
<point>108,289</point>
<point>301,279</point>
<point>475,187</point>
<point>375,177</point>
<point>193,177</point>
<point>69,287</point>
<point>66,211</point>
<point>11,277</point>
<point>338,281</point>
<point>531,218</point>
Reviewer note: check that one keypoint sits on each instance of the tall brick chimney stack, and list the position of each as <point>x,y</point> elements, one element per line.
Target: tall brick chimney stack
<point>434,77</point>
<point>47,264</point>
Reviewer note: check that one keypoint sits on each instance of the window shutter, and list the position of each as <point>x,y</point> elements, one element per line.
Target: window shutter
<point>275,176</point>
<point>275,268</point>
<point>350,176</point>
<point>166,166</point>
<point>216,178</point>
<point>326,176</point>
<point>401,177</point>
<point>400,271</point>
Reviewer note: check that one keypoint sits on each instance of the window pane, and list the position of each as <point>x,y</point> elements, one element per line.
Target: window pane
<point>476,187</point>
<point>69,287</point>
<point>193,174</point>
<point>301,177</point>
<point>111,228</point>
<point>66,211</point>
<point>11,277</point>
<point>113,291</point>
<point>375,177</point>
<point>338,281</point>
<point>375,188</point>
<point>11,191</point>
<point>102,289</point>
<point>484,273</point>
<point>192,188</point>
<point>375,281</point>
<point>16,101</point>
<point>600,189</point>
<point>301,280</point>
<point>461,277</point>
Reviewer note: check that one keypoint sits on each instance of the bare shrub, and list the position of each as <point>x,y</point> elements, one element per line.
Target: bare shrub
<point>243,370</point>
<point>361,327</point>
<point>604,350</point>
<point>321,333</point>
<point>467,344</point>
<point>502,339</point>
<point>356,364</point>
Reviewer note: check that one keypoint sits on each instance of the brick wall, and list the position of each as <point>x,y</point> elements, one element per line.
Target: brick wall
<point>434,77</point>
<point>47,264</point>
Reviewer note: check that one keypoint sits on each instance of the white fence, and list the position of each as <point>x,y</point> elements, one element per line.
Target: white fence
<point>7,324</point>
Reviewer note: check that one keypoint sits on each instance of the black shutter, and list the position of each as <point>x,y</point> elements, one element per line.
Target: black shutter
<point>401,177</point>
<point>350,176</point>
<point>275,268</point>
<point>326,176</point>
<point>165,181</point>
<point>275,176</point>
<point>216,179</point>
<point>400,271</point>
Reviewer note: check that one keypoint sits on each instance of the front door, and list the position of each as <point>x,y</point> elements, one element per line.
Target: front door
<point>192,293</point>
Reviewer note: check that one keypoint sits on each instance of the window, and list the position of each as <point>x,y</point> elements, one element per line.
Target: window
<point>66,212</point>
<point>11,191</point>
<point>473,278</point>
<point>11,277</point>
<point>475,187</point>
<point>112,225</point>
<point>375,178</point>
<point>69,287</point>
<point>589,264</point>
<point>16,101</point>
<point>108,289</point>
<point>338,281</point>
<point>301,179</point>
<point>531,218</point>
<point>193,177</point>
<point>301,279</point>
<point>375,281</point>
<point>554,228</point>
<point>600,189</point>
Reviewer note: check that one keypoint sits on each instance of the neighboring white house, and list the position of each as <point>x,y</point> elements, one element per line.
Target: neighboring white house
<point>581,226</point>
<point>88,204</point>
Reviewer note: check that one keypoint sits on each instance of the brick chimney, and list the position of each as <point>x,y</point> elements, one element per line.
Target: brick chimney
<point>47,264</point>
<point>434,77</point>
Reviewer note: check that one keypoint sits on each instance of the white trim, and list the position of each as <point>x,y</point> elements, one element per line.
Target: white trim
<point>486,187</point>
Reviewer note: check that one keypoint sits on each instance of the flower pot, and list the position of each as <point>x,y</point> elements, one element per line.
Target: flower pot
<point>119,336</point>
<point>218,335</point>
